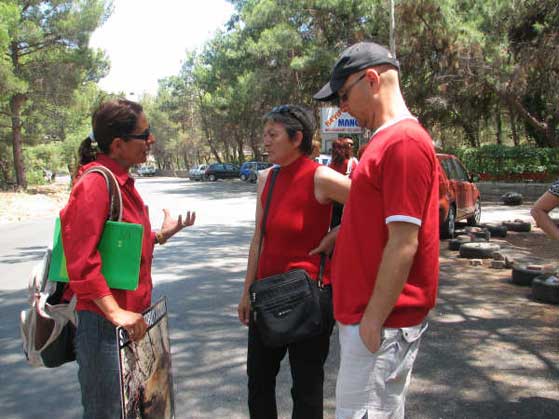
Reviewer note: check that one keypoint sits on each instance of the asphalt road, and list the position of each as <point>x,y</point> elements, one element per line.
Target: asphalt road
<point>201,272</point>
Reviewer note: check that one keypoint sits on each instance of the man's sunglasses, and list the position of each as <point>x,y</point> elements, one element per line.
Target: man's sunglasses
<point>343,97</point>
<point>143,136</point>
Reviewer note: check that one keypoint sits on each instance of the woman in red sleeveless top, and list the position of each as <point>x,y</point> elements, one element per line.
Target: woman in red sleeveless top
<point>298,219</point>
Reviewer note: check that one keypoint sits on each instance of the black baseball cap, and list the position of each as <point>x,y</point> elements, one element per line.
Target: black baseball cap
<point>355,58</point>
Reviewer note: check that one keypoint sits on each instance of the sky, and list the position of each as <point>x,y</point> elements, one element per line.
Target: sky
<point>147,40</point>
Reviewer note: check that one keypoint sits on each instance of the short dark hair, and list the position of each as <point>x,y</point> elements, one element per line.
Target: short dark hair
<point>111,120</point>
<point>295,118</point>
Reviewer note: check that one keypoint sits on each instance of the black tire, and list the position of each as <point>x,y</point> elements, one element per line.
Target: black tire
<point>523,276</point>
<point>478,250</point>
<point>496,230</point>
<point>544,291</point>
<point>512,198</point>
<point>454,244</point>
<point>484,234</point>
<point>475,219</point>
<point>518,226</point>
<point>447,228</point>
<point>212,178</point>
<point>244,177</point>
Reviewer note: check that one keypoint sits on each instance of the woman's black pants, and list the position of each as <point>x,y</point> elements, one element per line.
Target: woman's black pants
<point>307,360</point>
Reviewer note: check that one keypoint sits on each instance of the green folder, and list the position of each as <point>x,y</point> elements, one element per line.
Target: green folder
<point>120,248</point>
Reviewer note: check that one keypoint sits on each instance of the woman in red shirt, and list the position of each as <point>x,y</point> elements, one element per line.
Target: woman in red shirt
<point>342,156</point>
<point>298,219</point>
<point>121,138</point>
<point>342,162</point>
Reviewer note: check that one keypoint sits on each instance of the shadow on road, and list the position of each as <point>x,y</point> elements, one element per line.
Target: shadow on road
<point>25,254</point>
<point>220,189</point>
<point>490,352</point>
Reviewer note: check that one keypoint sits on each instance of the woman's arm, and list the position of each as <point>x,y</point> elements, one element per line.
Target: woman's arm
<point>243,309</point>
<point>330,185</point>
<point>540,212</point>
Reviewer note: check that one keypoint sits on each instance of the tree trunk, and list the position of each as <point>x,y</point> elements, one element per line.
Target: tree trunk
<point>542,128</point>
<point>499,121</point>
<point>470,132</point>
<point>16,103</point>
<point>513,127</point>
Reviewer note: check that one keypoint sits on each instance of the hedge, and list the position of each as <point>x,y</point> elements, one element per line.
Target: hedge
<point>499,162</point>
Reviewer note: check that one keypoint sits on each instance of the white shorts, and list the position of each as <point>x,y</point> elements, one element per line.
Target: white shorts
<point>374,385</point>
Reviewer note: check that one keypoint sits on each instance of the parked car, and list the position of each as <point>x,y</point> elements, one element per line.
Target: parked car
<point>323,159</point>
<point>197,172</point>
<point>252,167</point>
<point>459,197</point>
<point>146,171</point>
<point>217,171</point>
<point>253,175</point>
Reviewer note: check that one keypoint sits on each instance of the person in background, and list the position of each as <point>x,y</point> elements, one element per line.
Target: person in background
<point>297,221</point>
<point>121,138</point>
<point>342,156</point>
<point>541,209</point>
<point>386,259</point>
<point>315,149</point>
<point>342,162</point>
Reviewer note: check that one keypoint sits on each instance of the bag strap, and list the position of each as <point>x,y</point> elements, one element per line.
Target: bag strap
<point>115,195</point>
<point>275,172</point>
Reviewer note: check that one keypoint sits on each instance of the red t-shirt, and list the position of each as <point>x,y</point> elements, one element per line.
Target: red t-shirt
<point>339,167</point>
<point>82,222</point>
<point>343,166</point>
<point>396,180</point>
<point>296,222</point>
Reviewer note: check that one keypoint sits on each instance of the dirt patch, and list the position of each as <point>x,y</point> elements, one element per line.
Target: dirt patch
<point>37,202</point>
<point>528,248</point>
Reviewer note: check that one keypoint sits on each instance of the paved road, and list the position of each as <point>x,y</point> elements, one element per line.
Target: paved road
<point>201,271</point>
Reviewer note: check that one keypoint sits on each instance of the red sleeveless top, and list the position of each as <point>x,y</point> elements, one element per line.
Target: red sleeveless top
<point>296,222</point>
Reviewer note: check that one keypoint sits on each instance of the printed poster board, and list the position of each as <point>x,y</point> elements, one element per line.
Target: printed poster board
<point>334,121</point>
<point>146,379</point>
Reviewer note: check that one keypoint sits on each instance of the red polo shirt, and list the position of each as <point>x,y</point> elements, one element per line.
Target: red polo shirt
<point>395,180</point>
<point>82,222</point>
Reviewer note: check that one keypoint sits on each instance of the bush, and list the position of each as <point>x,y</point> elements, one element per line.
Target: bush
<point>498,162</point>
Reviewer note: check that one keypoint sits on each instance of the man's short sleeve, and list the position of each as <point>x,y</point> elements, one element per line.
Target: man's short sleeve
<point>554,188</point>
<point>407,175</point>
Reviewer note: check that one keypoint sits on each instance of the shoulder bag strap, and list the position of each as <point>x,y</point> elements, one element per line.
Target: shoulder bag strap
<point>275,172</point>
<point>115,196</point>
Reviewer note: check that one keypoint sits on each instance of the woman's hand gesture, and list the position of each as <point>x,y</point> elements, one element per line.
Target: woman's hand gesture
<point>172,226</point>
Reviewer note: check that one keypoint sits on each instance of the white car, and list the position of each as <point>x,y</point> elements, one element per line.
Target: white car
<point>197,172</point>
<point>146,171</point>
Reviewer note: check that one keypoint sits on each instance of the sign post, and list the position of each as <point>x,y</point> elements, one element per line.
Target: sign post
<point>333,123</point>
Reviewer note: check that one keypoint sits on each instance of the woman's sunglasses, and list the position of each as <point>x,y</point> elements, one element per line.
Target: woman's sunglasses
<point>143,136</point>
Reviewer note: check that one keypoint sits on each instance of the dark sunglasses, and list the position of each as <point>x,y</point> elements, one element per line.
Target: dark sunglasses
<point>288,110</point>
<point>143,136</point>
<point>345,95</point>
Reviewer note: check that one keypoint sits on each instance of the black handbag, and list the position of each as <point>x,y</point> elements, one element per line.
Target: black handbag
<point>291,306</point>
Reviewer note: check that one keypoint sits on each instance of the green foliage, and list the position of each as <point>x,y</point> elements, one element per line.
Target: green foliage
<point>501,161</point>
<point>48,59</point>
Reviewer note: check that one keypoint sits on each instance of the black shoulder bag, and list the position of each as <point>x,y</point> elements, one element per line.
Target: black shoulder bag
<point>291,306</point>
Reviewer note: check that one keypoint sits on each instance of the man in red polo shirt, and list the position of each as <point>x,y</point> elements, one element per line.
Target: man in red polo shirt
<point>385,268</point>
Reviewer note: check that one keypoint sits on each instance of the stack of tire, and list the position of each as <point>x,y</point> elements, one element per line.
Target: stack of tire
<point>518,225</point>
<point>544,283</point>
<point>474,244</point>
